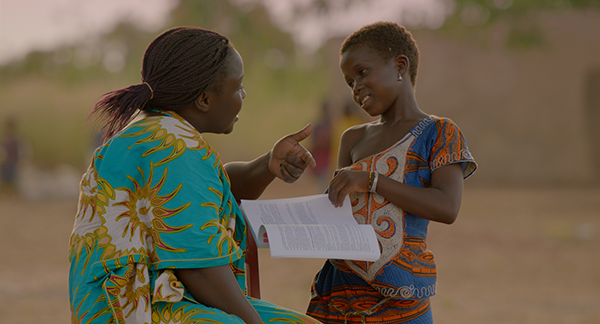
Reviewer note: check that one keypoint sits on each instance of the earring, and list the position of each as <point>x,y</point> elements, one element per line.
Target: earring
<point>399,77</point>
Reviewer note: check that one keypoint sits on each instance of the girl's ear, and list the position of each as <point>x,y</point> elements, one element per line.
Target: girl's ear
<point>203,102</point>
<point>402,63</point>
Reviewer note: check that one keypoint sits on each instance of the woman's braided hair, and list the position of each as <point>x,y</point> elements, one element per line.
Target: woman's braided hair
<point>388,39</point>
<point>179,65</point>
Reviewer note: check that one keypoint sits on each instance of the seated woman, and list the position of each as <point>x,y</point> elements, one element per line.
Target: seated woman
<point>159,236</point>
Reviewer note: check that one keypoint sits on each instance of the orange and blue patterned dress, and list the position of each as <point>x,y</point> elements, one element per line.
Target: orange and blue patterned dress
<point>396,288</point>
<point>155,198</point>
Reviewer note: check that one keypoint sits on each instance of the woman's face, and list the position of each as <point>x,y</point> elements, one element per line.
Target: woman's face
<point>374,82</point>
<point>226,99</point>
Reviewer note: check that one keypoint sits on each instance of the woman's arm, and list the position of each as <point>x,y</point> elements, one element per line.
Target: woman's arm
<point>217,287</point>
<point>249,179</point>
<point>287,160</point>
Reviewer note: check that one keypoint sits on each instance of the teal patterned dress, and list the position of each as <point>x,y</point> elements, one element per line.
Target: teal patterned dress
<point>155,198</point>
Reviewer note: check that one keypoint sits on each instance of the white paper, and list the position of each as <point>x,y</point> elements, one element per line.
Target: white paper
<point>310,227</point>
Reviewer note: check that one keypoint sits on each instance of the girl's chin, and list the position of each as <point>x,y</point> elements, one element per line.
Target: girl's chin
<point>370,111</point>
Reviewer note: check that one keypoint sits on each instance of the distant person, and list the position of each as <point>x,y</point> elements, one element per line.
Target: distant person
<point>159,236</point>
<point>401,172</point>
<point>10,153</point>
<point>321,146</point>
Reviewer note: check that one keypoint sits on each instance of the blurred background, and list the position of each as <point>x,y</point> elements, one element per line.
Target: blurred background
<point>521,78</point>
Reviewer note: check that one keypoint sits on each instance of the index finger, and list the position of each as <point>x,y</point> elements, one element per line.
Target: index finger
<point>302,153</point>
<point>295,160</point>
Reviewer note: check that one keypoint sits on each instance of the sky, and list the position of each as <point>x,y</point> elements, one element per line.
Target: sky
<point>30,25</point>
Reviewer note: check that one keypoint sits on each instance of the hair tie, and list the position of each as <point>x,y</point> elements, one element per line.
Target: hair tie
<point>149,87</point>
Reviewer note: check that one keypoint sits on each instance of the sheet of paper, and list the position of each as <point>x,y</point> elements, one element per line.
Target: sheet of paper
<point>333,241</point>
<point>316,209</point>
<point>310,227</point>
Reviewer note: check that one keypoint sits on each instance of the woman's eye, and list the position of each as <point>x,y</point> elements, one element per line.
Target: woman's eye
<point>242,91</point>
<point>362,72</point>
<point>350,84</point>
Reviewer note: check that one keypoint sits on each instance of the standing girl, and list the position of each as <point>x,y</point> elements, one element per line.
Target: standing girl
<point>159,237</point>
<point>401,172</point>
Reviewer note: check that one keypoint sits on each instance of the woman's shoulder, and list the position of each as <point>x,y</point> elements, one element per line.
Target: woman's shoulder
<point>167,138</point>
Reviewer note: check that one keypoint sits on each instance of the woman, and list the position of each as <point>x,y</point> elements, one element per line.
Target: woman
<point>159,236</point>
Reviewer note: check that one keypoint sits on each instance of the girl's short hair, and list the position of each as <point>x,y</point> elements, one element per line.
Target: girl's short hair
<point>388,39</point>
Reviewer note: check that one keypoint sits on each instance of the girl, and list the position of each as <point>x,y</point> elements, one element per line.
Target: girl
<point>159,236</point>
<point>401,171</point>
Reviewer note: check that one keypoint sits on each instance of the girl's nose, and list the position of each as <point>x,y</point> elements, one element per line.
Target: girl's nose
<point>356,88</point>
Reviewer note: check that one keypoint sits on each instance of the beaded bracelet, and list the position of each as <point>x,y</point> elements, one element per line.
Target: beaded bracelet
<point>370,181</point>
<point>373,187</point>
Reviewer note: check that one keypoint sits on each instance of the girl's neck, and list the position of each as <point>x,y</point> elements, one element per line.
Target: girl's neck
<point>403,111</point>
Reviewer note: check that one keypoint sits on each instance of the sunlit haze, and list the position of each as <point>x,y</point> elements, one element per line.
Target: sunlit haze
<point>311,28</point>
<point>28,25</point>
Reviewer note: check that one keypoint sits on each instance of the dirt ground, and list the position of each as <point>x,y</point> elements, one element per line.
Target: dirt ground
<point>513,256</point>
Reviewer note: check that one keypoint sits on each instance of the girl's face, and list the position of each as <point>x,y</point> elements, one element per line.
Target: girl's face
<point>226,103</point>
<point>374,82</point>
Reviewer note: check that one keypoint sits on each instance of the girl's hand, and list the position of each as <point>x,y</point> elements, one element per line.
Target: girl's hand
<point>289,158</point>
<point>345,182</point>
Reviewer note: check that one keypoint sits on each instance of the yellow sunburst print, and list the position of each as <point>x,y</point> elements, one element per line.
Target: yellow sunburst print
<point>144,200</point>
<point>194,136</point>
<point>131,295</point>
<point>169,314</point>
<point>154,131</point>
<point>292,318</point>
<point>95,197</point>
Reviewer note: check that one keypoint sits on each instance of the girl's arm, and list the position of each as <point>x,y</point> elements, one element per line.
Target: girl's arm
<point>217,287</point>
<point>287,160</point>
<point>439,203</point>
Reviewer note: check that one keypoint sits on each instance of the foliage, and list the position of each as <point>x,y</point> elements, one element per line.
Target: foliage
<point>524,32</point>
<point>472,19</point>
<point>51,93</point>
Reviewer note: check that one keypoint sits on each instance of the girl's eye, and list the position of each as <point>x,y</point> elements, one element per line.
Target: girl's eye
<point>362,72</point>
<point>350,84</point>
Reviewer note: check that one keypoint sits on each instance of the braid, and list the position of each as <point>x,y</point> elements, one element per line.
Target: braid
<point>120,106</point>
<point>178,66</point>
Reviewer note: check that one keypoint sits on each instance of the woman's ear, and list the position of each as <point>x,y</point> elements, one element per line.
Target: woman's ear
<point>203,102</point>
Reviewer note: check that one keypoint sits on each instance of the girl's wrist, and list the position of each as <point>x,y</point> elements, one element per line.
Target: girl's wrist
<point>373,180</point>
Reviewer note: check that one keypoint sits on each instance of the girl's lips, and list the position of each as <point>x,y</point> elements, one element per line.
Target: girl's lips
<point>364,100</point>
